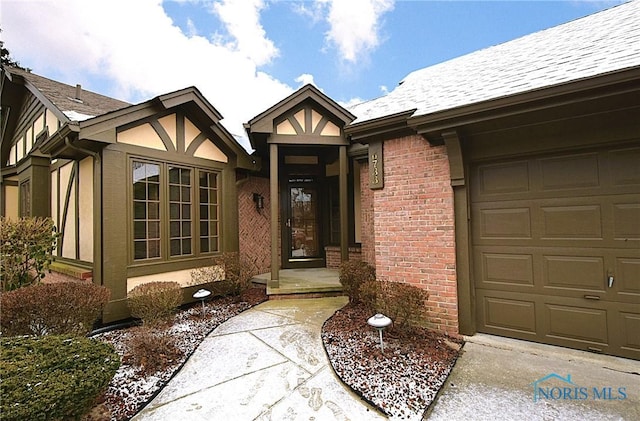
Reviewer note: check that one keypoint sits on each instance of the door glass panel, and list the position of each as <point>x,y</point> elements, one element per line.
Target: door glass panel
<point>304,223</point>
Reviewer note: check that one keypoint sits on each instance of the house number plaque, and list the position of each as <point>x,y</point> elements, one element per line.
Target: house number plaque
<point>376,168</point>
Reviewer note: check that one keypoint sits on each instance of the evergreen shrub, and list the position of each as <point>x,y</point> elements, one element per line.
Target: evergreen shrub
<point>53,377</point>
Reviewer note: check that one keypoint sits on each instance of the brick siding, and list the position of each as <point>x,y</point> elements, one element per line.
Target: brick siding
<point>367,235</point>
<point>255,227</point>
<point>334,258</point>
<point>413,222</point>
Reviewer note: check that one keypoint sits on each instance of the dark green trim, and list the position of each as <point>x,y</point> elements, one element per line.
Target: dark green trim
<point>462,232</point>
<point>153,268</point>
<point>195,144</point>
<point>77,211</point>
<point>163,135</point>
<point>72,178</point>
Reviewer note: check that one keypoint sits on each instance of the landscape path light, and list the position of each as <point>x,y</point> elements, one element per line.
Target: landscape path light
<point>379,321</point>
<point>201,295</point>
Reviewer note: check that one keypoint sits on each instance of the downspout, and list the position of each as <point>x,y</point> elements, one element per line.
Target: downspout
<point>97,210</point>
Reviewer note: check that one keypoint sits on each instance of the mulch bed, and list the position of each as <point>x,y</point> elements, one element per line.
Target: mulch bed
<point>404,380</point>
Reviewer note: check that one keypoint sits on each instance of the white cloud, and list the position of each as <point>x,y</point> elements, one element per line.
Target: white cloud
<point>305,79</point>
<point>140,52</point>
<point>355,26</point>
<point>242,20</point>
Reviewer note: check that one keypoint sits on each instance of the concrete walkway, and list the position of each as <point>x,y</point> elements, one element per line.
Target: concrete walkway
<point>267,363</point>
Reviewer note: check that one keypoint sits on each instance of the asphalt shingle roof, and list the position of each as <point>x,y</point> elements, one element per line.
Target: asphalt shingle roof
<point>600,43</point>
<point>63,96</point>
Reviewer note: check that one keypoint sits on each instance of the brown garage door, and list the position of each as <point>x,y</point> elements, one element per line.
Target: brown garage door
<point>556,249</point>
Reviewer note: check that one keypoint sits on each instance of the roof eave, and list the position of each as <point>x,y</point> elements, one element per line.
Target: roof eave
<point>381,128</point>
<point>539,99</point>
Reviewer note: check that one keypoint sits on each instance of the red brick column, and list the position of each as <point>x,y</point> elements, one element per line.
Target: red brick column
<point>366,213</point>
<point>414,225</point>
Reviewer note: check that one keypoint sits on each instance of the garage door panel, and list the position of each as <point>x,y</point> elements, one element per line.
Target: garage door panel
<point>507,269</point>
<point>627,279</point>
<point>626,221</point>
<point>507,316</point>
<point>623,166</point>
<point>503,179</point>
<point>505,223</point>
<point>586,274</point>
<point>630,337</point>
<point>571,323</point>
<point>570,172</point>
<point>572,222</point>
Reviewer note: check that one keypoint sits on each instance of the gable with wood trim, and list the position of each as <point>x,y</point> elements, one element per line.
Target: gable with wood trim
<point>139,193</point>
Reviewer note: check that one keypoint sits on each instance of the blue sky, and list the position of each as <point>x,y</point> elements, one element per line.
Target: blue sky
<point>245,55</point>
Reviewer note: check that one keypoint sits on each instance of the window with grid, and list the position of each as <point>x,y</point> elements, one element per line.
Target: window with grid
<point>146,210</point>
<point>209,220</point>
<point>25,198</point>
<point>174,207</point>
<point>180,233</point>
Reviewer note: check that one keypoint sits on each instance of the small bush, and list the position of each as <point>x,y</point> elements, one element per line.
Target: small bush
<point>354,274</point>
<point>67,308</point>
<point>152,350</point>
<point>154,301</point>
<point>405,304</point>
<point>26,246</point>
<point>53,377</point>
<point>238,272</point>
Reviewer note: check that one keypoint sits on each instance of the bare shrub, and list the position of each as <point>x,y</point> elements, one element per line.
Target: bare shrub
<point>66,308</point>
<point>354,274</point>
<point>154,301</point>
<point>152,349</point>
<point>238,272</point>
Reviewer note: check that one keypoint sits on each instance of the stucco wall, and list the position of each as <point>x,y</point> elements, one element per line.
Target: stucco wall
<point>255,228</point>
<point>414,225</point>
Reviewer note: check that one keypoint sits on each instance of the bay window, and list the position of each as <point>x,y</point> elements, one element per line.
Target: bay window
<point>173,205</point>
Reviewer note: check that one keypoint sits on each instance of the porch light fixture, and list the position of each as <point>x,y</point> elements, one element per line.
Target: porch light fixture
<point>379,321</point>
<point>201,295</point>
<point>258,199</point>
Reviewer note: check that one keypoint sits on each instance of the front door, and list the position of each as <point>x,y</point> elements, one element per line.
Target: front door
<point>302,244</point>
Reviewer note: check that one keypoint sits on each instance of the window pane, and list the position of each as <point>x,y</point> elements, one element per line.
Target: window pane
<point>153,210</point>
<point>204,229</point>
<point>186,211</point>
<point>146,210</point>
<point>185,178</point>
<point>174,229</point>
<point>186,246</point>
<point>154,248</point>
<point>140,250</point>
<point>174,175</point>
<point>175,247</point>
<point>186,194</point>
<point>174,193</point>
<point>139,210</point>
<point>204,196</point>
<point>139,230</point>
<point>186,228</point>
<point>153,229</point>
<point>139,191</point>
<point>204,179</point>
<point>154,192</point>
<point>174,211</point>
<point>208,196</point>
